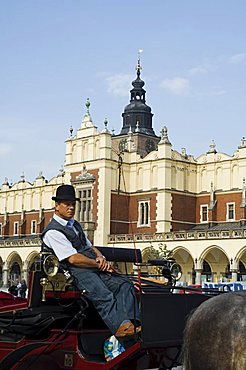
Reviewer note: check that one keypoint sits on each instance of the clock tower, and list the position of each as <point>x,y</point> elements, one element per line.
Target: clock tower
<point>137,121</point>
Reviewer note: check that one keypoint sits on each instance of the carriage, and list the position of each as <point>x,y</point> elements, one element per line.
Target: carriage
<point>58,328</point>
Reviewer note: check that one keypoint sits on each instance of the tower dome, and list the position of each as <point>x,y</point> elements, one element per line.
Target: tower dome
<point>137,114</point>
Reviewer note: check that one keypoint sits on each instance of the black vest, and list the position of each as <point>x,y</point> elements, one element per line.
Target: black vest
<point>77,241</point>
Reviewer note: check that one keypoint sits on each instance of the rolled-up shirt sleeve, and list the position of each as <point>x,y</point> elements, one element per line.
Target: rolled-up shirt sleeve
<point>61,246</point>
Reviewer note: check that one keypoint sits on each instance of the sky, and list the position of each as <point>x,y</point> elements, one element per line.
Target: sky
<point>54,54</point>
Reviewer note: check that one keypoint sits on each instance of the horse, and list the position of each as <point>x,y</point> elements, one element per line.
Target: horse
<point>215,334</point>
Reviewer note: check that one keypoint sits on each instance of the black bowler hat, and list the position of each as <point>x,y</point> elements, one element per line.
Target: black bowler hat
<point>65,192</point>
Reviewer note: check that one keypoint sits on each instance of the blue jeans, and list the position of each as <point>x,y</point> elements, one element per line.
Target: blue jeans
<point>111,294</point>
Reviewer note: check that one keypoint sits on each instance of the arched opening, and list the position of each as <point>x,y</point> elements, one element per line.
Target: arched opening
<point>185,260</point>
<point>241,276</point>
<point>206,272</point>
<point>31,262</point>
<point>14,267</point>
<point>14,272</point>
<point>215,265</point>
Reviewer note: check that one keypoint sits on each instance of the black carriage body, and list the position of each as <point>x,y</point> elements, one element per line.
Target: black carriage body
<point>66,331</point>
<point>164,315</point>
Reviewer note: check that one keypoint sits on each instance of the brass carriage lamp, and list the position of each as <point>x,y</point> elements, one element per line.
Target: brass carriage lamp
<point>50,267</point>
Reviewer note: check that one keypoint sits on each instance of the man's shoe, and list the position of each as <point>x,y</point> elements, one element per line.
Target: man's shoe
<point>127,329</point>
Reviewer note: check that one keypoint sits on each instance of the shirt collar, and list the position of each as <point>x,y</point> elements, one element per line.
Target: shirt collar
<point>62,221</point>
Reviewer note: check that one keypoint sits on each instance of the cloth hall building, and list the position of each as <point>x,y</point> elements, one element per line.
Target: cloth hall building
<point>136,190</point>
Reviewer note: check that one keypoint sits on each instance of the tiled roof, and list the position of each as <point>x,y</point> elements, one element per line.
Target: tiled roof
<point>219,226</point>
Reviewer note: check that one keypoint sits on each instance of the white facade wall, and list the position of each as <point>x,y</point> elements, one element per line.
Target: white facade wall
<point>163,170</point>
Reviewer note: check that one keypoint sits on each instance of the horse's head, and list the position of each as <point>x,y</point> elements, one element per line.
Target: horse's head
<point>215,334</point>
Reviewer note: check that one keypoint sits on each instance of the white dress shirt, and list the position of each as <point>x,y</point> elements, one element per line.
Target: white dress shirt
<point>57,241</point>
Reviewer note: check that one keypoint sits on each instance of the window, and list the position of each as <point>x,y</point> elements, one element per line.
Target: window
<point>33,227</point>
<point>1,229</point>
<point>230,211</point>
<point>85,206</point>
<point>203,213</point>
<point>143,213</point>
<point>16,228</point>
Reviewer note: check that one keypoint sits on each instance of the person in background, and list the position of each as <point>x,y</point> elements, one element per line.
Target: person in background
<point>13,288</point>
<point>112,295</point>
<point>19,289</point>
<point>22,289</point>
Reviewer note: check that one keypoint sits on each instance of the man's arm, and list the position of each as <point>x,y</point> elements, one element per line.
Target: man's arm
<point>79,260</point>
<point>82,261</point>
<point>63,249</point>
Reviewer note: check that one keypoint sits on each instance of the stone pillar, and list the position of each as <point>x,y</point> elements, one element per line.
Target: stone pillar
<point>25,275</point>
<point>234,275</point>
<point>104,202</point>
<point>5,278</point>
<point>198,276</point>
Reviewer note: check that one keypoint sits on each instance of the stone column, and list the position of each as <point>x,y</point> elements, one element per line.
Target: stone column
<point>25,275</point>
<point>104,205</point>
<point>198,275</point>
<point>234,275</point>
<point>5,278</point>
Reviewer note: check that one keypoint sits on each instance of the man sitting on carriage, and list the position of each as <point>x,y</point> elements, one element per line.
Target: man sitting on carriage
<point>111,294</point>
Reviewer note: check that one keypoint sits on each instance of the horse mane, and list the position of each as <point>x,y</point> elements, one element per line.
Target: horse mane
<point>215,334</point>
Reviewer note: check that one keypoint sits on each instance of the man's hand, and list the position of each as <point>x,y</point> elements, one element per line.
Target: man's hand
<point>103,265</point>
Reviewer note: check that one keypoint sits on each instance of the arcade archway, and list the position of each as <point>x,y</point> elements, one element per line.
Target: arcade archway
<point>214,264</point>
<point>241,265</point>
<point>185,260</point>
<point>29,264</point>
<point>14,264</point>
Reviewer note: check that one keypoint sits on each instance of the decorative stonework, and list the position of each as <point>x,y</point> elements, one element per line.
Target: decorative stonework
<point>61,172</point>
<point>40,176</point>
<point>106,126</point>
<point>243,143</point>
<point>164,136</point>
<point>172,236</point>
<point>212,148</point>
<point>6,182</point>
<point>87,120</point>
<point>20,243</point>
<point>183,153</point>
<point>84,177</point>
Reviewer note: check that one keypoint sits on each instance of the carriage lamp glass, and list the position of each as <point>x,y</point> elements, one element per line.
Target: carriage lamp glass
<point>51,265</point>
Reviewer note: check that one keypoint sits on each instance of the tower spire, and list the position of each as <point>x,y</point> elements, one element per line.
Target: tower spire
<point>138,66</point>
<point>137,114</point>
